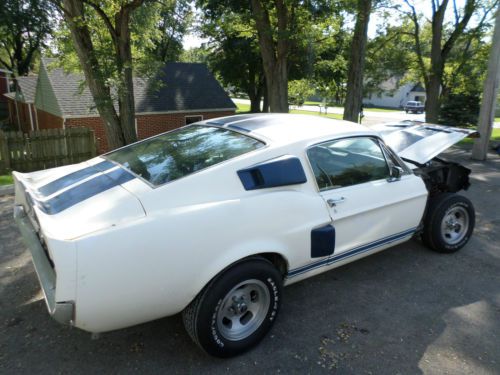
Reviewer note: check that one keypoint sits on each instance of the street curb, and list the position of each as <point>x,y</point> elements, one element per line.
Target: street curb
<point>6,190</point>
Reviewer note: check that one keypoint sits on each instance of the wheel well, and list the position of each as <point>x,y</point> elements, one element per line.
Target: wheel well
<point>442,176</point>
<point>277,260</point>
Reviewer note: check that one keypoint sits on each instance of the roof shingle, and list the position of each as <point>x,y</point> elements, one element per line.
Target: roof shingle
<point>27,87</point>
<point>176,87</point>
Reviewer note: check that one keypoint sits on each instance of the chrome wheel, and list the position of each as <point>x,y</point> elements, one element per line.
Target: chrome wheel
<point>455,225</point>
<point>243,310</point>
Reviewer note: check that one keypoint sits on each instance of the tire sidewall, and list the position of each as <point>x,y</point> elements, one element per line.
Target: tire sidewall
<point>446,205</point>
<point>208,333</point>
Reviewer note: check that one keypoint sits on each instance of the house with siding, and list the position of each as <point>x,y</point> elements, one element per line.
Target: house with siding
<point>392,94</point>
<point>179,94</point>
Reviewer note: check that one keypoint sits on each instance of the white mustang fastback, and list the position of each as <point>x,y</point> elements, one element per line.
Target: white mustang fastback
<point>212,219</point>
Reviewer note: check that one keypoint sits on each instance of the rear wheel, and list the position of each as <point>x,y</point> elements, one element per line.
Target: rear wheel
<point>236,310</point>
<point>449,223</point>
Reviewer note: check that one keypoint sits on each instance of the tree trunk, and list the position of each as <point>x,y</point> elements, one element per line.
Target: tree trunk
<point>434,80</point>
<point>487,112</point>
<point>265,101</point>
<point>354,94</point>
<point>255,103</point>
<point>126,99</point>
<point>254,90</point>
<point>277,86</point>
<point>74,16</point>
<point>439,51</point>
<point>274,53</point>
<point>433,102</point>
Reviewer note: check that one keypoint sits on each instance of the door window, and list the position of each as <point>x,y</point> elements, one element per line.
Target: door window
<point>346,162</point>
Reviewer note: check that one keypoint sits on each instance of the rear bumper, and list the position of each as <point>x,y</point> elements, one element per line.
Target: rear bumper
<point>63,312</point>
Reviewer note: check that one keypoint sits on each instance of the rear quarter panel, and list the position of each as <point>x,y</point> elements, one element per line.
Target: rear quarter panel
<point>195,227</point>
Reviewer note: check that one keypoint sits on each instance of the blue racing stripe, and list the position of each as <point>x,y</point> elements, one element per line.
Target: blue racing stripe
<point>356,251</point>
<point>73,178</point>
<point>85,191</point>
<point>236,127</point>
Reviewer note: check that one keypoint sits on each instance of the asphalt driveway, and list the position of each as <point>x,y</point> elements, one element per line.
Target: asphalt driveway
<point>406,310</point>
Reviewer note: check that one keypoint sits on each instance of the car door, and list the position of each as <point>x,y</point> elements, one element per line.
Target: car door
<point>369,208</point>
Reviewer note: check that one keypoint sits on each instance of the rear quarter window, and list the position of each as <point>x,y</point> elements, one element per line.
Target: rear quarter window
<point>181,152</point>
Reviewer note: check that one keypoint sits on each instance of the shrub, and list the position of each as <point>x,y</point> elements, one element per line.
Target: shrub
<point>460,110</point>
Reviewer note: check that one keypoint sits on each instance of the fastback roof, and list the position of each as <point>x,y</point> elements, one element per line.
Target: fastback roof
<point>289,127</point>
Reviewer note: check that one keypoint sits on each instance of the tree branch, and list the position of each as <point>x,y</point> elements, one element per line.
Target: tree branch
<point>103,16</point>
<point>6,64</point>
<point>469,8</point>
<point>455,11</point>
<point>418,46</point>
<point>264,30</point>
<point>282,13</point>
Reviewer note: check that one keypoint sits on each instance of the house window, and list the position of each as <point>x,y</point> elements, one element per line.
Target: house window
<point>190,119</point>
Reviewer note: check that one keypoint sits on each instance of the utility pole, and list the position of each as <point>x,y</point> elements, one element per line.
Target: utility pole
<point>487,112</point>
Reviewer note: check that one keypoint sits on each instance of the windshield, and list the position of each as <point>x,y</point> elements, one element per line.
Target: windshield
<point>178,153</point>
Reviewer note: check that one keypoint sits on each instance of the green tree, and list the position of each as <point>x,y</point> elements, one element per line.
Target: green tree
<point>436,39</point>
<point>195,55</point>
<point>109,19</point>
<point>164,23</point>
<point>330,61</point>
<point>389,55</point>
<point>233,52</point>
<point>109,40</point>
<point>299,91</point>
<point>275,22</point>
<point>291,36</point>
<point>238,63</point>
<point>25,26</point>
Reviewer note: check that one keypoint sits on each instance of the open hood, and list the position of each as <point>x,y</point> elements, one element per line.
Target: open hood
<point>420,142</point>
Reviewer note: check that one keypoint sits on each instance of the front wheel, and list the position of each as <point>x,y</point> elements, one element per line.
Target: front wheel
<point>237,309</point>
<point>449,223</point>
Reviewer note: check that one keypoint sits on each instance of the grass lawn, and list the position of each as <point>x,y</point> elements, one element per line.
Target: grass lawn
<point>245,108</point>
<point>242,108</point>
<point>497,119</point>
<point>321,103</point>
<point>6,180</point>
<point>329,115</point>
<point>495,136</point>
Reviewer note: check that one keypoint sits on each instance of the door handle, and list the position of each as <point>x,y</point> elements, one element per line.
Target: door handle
<point>332,202</point>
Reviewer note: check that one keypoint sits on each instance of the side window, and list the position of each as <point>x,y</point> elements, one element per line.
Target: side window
<point>347,162</point>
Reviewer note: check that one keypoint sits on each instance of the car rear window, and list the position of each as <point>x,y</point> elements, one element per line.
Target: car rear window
<point>170,156</point>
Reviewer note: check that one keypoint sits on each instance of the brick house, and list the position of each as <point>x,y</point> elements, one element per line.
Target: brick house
<point>21,104</point>
<point>181,93</point>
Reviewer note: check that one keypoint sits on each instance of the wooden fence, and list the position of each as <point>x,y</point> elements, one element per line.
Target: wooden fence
<point>45,149</point>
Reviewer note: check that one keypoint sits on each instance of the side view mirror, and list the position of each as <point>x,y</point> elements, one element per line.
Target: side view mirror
<point>396,173</point>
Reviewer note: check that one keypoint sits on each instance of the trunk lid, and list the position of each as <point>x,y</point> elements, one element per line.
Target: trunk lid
<point>420,142</point>
<point>72,201</point>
